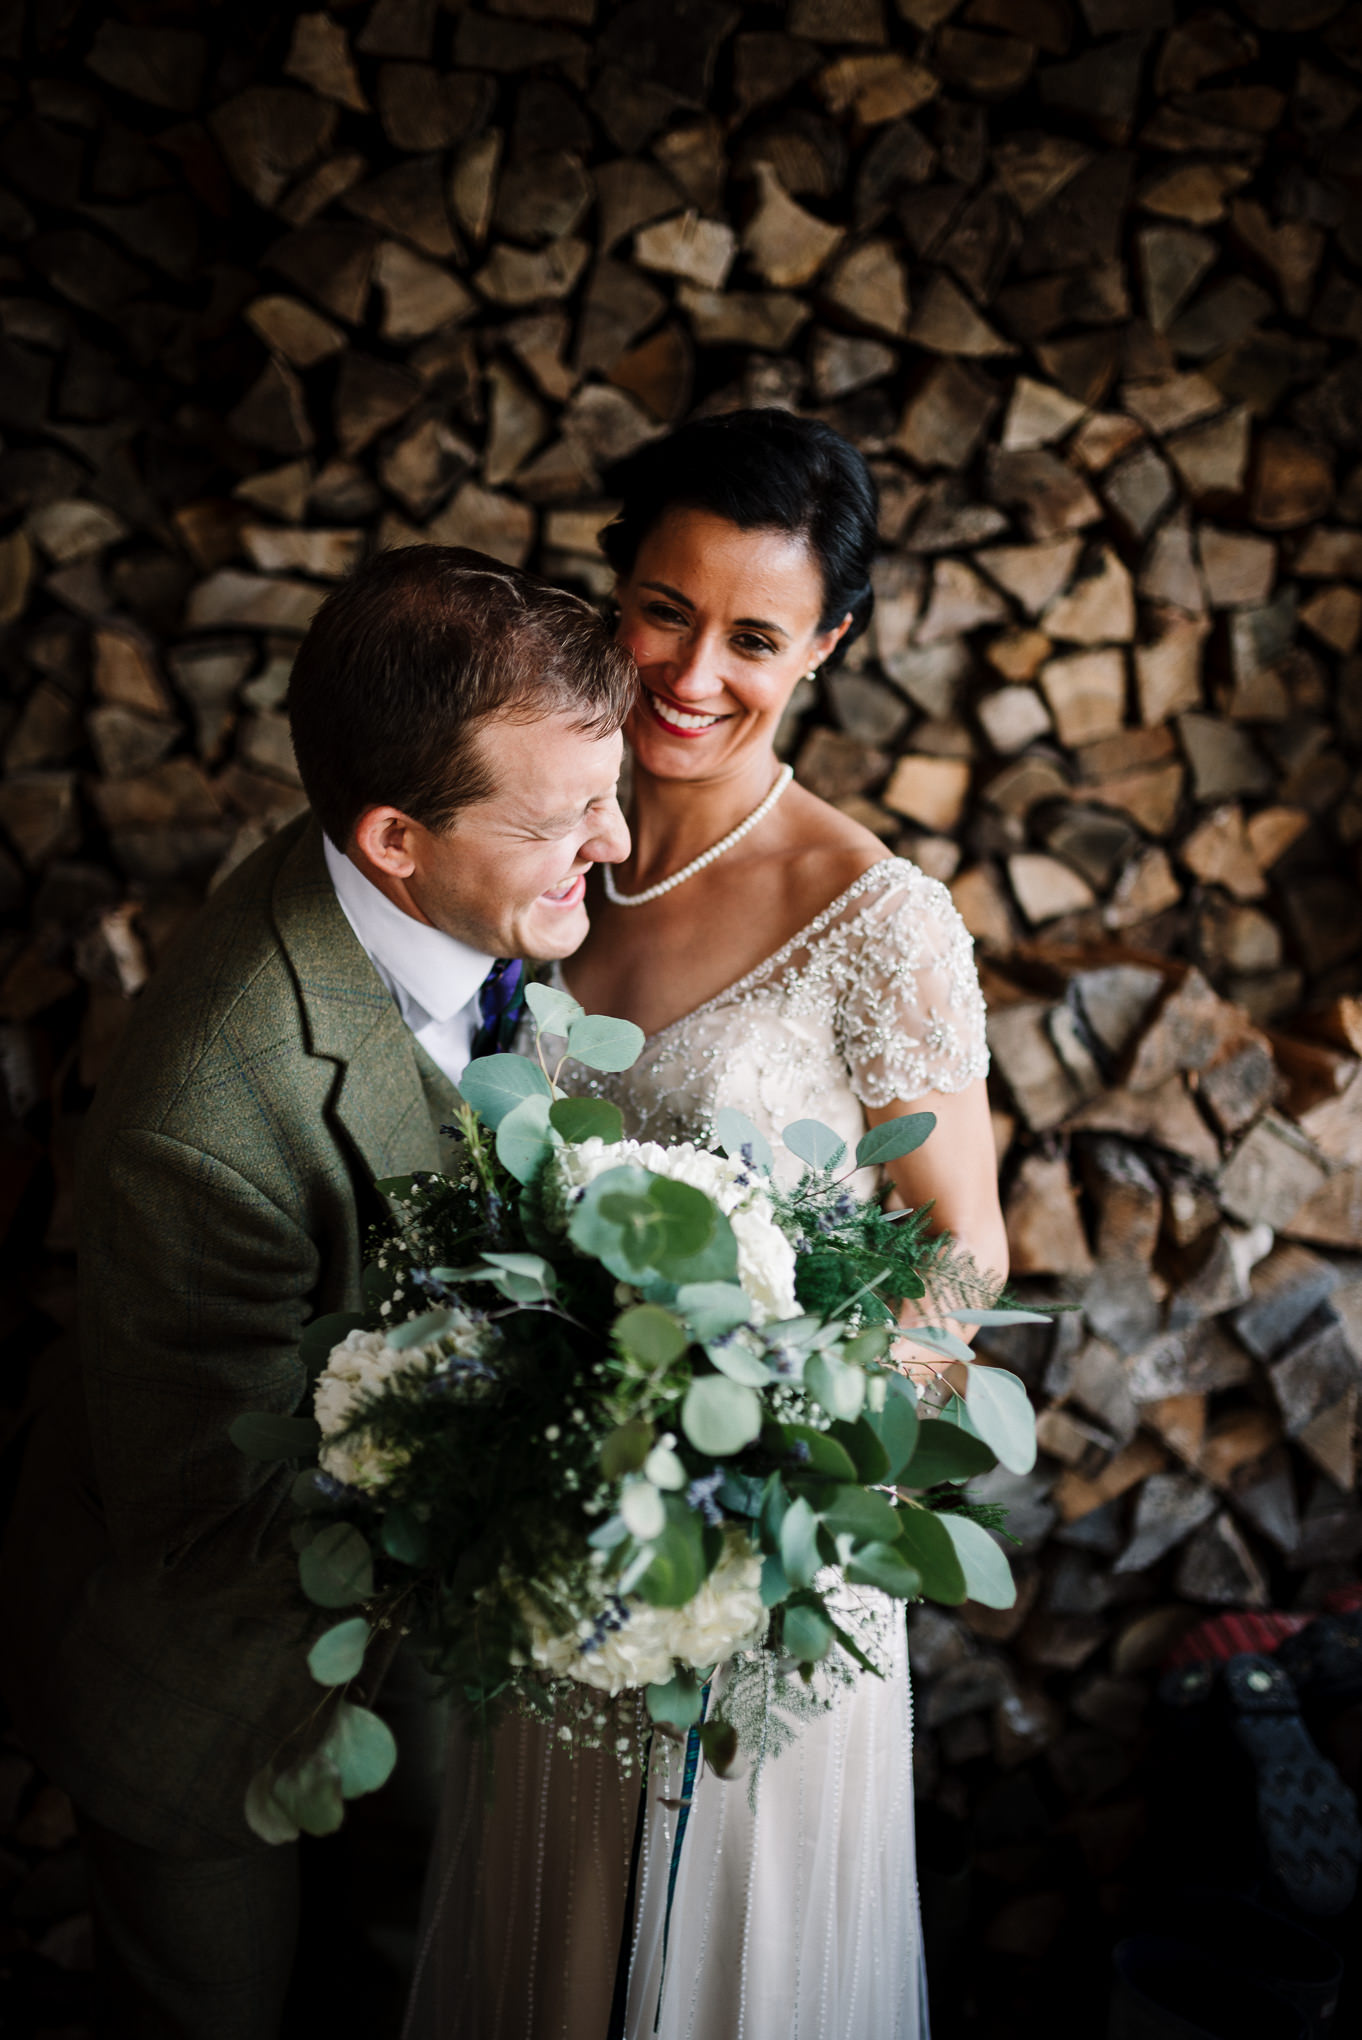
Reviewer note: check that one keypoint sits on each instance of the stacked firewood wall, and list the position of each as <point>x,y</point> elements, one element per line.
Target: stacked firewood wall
<point>1084,280</point>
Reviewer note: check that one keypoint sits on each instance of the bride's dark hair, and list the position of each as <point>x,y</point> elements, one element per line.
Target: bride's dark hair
<point>764,470</point>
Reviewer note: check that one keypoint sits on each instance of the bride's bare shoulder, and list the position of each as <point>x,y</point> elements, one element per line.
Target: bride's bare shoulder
<point>827,851</point>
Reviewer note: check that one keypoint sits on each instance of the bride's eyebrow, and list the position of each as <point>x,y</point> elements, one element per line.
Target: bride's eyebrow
<point>741,622</point>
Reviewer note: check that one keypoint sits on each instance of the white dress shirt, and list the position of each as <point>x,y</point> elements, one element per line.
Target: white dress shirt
<point>434,977</point>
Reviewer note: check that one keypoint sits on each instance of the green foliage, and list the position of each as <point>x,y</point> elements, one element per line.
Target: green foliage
<point>361,1747</point>
<point>578,1119</point>
<point>814,1143</point>
<point>893,1138</point>
<point>593,1412</point>
<point>720,1416</point>
<point>524,1136</point>
<point>338,1653</point>
<point>945,1452</point>
<point>554,1010</point>
<point>1002,1415</point>
<point>604,1044</point>
<point>494,1085</point>
<point>679,1702</point>
<point>988,1576</point>
<point>737,1136</point>
<point>337,1568</point>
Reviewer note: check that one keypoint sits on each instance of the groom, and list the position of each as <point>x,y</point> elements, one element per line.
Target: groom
<point>456,725</point>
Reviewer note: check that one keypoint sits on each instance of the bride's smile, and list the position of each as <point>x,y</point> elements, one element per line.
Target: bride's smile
<point>722,622</point>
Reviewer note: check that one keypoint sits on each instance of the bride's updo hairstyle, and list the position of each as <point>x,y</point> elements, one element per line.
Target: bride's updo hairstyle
<point>762,470</point>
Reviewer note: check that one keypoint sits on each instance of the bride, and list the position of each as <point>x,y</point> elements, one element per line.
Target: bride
<point>778,960</point>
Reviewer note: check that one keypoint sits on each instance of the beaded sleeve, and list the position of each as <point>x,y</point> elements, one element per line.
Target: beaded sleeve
<point>910,1019</point>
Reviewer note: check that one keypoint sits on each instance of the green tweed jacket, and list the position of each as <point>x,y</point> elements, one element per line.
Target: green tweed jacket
<point>149,1593</point>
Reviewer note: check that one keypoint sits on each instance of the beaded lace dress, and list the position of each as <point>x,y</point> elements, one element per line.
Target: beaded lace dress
<point>782,1907</point>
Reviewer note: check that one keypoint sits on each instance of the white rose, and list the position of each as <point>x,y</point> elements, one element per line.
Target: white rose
<point>361,1366</point>
<point>727,1615</point>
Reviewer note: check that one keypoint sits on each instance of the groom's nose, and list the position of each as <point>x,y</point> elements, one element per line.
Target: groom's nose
<point>610,844</point>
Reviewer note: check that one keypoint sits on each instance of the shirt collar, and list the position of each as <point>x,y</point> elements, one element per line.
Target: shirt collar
<point>436,971</point>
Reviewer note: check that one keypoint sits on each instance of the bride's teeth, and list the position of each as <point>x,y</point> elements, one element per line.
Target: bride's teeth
<point>678,719</point>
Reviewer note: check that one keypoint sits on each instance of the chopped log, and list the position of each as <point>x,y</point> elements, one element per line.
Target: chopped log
<point>870,287</point>
<point>1086,693</point>
<point>1238,568</point>
<point>268,133</point>
<point>408,202</point>
<point>696,250</point>
<point>294,330</point>
<point>319,56</point>
<point>945,420</point>
<point>524,276</point>
<point>785,244</point>
<point>767,320</point>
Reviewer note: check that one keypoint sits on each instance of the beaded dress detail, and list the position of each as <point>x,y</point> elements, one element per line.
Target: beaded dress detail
<point>787,1909</point>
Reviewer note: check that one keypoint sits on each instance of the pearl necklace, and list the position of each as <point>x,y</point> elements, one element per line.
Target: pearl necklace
<point>655,892</point>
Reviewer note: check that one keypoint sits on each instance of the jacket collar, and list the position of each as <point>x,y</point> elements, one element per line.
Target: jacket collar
<point>389,1098</point>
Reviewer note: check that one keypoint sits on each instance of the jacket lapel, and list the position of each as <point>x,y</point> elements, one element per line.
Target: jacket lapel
<point>383,1099</point>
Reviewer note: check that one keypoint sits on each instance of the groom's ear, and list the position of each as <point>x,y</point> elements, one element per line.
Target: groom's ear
<point>385,838</point>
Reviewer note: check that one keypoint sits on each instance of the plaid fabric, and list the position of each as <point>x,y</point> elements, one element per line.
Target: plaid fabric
<point>1222,1637</point>
<point>150,1594</point>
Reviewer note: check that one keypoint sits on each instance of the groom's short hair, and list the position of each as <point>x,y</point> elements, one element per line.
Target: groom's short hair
<point>411,656</point>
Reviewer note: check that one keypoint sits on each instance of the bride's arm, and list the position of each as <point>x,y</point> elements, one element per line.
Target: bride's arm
<point>956,1171</point>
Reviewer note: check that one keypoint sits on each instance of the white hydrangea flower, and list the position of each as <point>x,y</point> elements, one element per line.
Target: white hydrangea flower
<point>361,1365</point>
<point>766,1259</point>
<point>725,1617</point>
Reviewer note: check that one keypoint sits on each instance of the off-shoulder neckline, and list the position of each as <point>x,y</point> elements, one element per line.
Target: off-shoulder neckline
<point>803,938</point>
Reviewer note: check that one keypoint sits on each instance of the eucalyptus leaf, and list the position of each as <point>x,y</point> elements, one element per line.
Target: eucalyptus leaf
<point>678,1702</point>
<point>866,1448</point>
<point>739,1362</point>
<point>324,1334</point>
<point>650,1335</point>
<point>1003,1416</point>
<point>734,1131</point>
<point>713,1308</point>
<point>625,1450</point>
<point>925,1543</point>
<point>719,1741</point>
<point>884,1566</point>
<point>799,1553</point>
<point>675,1569</point>
<point>309,1794</point>
<point>524,1139</point>
<point>495,1084</point>
<point>532,1266</point>
<point>580,1119</point>
<point>945,1452</point>
<point>337,1569</point>
<point>837,1388</point>
<point>864,1515</point>
<point>893,1138</point>
<point>419,1330</point>
<point>665,1470</point>
<point>404,1537</point>
<point>605,1044</point>
<point>988,1576</point>
<point>807,1633</point>
<point>553,1009</point>
<point>720,1416</point>
<point>940,1341</point>
<point>642,1509</point>
<point>1001,1317</point>
<point>361,1747</point>
<point>814,1143</point>
<point>820,1450</point>
<point>263,1436</point>
<point>774,1584</point>
<point>338,1653</point>
<point>265,1817</point>
<point>896,1426</point>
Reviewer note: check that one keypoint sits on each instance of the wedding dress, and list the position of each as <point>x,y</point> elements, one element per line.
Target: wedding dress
<point>783,1908</point>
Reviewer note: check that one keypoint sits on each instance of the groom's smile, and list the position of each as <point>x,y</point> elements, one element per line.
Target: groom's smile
<point>508,876</point>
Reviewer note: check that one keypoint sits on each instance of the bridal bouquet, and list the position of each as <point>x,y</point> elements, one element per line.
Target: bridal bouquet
<point>616,1412</point>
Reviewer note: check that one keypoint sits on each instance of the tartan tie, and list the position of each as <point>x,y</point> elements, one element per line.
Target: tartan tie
<point>501,997</point>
